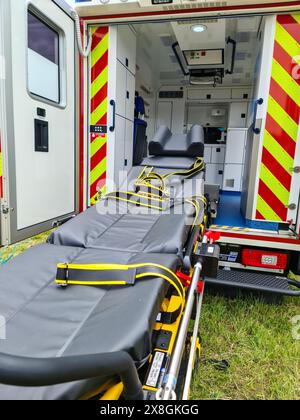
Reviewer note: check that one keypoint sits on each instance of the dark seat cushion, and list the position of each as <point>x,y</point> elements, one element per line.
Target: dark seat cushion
<point>164,143</point>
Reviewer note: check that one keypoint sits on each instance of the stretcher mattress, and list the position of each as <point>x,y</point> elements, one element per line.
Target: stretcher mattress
<point>118,226</point>
<point>44,320</point>
<point>136,233</point>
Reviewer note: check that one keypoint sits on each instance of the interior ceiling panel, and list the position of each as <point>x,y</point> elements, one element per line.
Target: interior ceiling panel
<point>156,40</point>
<point>213,38</point>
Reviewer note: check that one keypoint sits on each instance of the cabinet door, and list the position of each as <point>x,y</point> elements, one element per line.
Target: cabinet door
<point>121,88</point>
<point>214,174</point>
<point>119,137</point>
<point>207,154</point>
<point>232,177</point>
<point>126,50</point>
<point>217,94</point>
<point>238,115</point>
<point>241,93</point>
<point>130,96</point>
<point>235,148</point>
<point>128,151</point>
<point>217,154</point>
<point>209,94</point>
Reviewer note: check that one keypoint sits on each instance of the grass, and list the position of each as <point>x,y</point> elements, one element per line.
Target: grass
<point>253,336</point>
<point>9,252</point>
<point>256,339</point>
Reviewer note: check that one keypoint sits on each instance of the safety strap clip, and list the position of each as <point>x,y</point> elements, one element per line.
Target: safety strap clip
<point>65,277</point>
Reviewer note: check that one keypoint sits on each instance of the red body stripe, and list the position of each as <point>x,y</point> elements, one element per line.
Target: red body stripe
<point>259,216</point>
<point>276,169</point>
<point>285,101</point>
<point>269,197</point>
<point>98,156</point>
<point>99,97</point>
<point>99,35</point>
<point>99,183</point>
<point>277,132</point>
<point>99,66</point>
<point>103,120</point>
<point>290,25</point>
<point>285,60</point>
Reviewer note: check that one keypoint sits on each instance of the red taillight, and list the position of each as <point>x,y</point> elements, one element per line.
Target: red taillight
<point>266,259</point>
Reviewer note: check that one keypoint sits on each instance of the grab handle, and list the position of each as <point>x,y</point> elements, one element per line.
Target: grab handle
<point>259,101</point>
<point>113,126</point>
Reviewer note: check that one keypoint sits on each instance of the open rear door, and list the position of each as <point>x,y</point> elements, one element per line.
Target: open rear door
<point>37,117</point>
<point>272,184</point>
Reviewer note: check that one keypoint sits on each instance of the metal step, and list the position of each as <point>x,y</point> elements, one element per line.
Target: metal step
<point>256,282</point>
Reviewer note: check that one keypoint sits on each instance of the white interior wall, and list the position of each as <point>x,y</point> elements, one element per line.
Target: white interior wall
<point>147,85</point>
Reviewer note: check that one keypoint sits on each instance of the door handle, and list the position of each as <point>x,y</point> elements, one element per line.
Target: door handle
<point>113,126</point>
<point>255,129</point>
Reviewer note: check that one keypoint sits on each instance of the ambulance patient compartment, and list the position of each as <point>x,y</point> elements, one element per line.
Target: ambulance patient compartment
<point>218,73</point>
<point>185,76</point>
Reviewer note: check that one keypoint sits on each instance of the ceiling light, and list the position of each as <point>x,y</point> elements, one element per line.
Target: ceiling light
<point>198,28</point>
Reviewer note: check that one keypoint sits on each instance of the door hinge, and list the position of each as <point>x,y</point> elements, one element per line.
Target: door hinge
<point>291,206</point>
<point>5,209</point>
<point>296,170</point>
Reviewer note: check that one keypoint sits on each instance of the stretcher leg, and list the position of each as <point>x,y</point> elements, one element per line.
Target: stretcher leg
<point>167,391</point>
<point>194,349</point>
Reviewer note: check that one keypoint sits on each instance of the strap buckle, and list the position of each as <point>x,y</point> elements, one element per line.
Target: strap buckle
<point>65,270</point>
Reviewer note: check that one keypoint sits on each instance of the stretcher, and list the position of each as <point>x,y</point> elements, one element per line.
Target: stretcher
<point>102,310</point>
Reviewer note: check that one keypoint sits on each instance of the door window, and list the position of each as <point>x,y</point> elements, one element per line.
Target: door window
<point>43,59</point>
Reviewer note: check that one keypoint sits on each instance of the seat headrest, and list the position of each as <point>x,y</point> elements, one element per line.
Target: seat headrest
<point>164,143</point>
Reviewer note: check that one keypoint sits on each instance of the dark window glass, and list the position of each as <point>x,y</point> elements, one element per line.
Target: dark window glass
<point>42,39</point>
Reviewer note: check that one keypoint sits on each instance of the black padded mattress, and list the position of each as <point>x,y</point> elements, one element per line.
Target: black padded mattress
<point>44,320</point>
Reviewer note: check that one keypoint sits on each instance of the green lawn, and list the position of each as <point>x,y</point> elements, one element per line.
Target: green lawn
<point>256,339</point>
<point>253,336</point>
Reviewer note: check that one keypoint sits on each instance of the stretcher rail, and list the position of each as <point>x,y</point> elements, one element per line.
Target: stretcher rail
<point>36,372</point>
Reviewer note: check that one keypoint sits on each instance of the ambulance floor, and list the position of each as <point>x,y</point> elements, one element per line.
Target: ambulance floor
<point>229,210</point>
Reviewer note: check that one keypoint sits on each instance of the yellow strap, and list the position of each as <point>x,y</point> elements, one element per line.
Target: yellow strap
<point>120,267</point>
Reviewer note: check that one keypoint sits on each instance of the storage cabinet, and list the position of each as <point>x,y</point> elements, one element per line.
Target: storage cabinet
<point>232,177</point>
<point>234,159</point>
<point>130,96</point>
<point>214,173</point>
<point>126,48</point>
<point>128,145</point>
<point>207,154</point>
<point>235,149</point>
<point>209,94</point>
<point>121,87</point>
<point>122,64</point>
<point>241,93</point>
<point>214,159</point>
<point>120,127</point>
<point>217,155</point>
<point>238,114</point>
<point>124,148</point>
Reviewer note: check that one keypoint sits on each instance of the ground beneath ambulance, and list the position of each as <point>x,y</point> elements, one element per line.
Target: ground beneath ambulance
<point>254,337</point>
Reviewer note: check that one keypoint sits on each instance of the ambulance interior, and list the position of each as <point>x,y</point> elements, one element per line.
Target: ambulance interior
<point>203,72</point>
